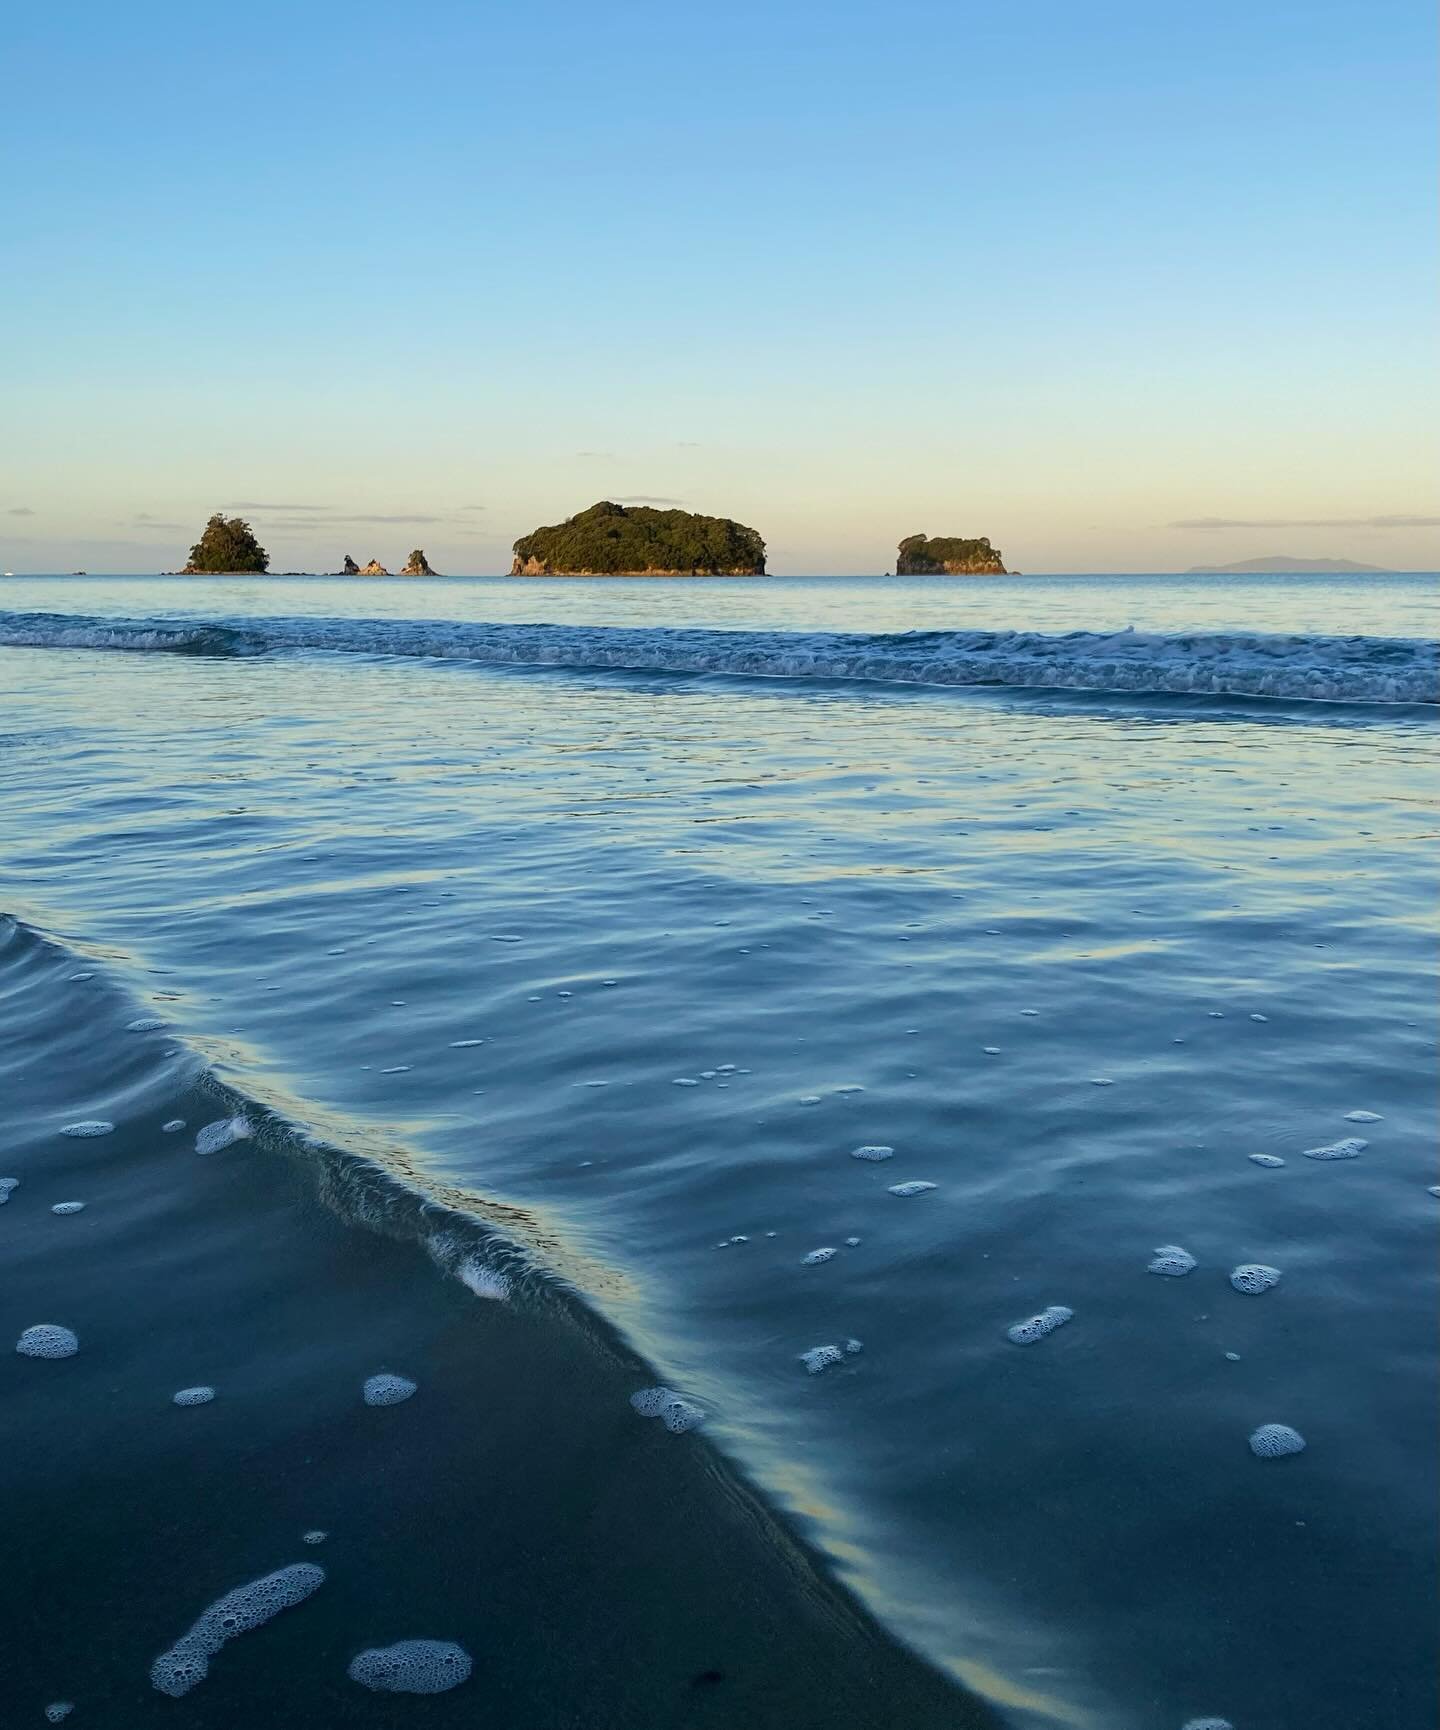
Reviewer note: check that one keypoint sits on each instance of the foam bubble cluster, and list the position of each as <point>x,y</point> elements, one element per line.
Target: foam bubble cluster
<point>1207,1724</point>
<point>1036,1327</point>
<point>221,1134</point>
<point>88,1126</point>
<point>174,1124</point>
<point>315,1537</point>
<point>484,1281</point>
<point>58,1711</point>
<point>187,1662</point>
<point>387,1390</point>
<point>1172,1260</point>
<point>64,1207</point>
<point>878,1152</point>
<point>1363,1117</point>
<point>916,1187</point>
<point>1275,1441</point>
<point>816,1256</point>
<point>6,1185</point>
<point>821,1358</point>
<point>1253,1277</point>
<point>1351,1147</point>
<point>47,1340</point>
<point>193,1397</point>
<point>678,1414</point>
<point>411,1667</point>
<point>146,1024</point>
<point>1268,1160</point>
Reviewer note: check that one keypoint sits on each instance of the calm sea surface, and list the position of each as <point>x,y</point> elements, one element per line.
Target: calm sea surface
<point>610,919</point>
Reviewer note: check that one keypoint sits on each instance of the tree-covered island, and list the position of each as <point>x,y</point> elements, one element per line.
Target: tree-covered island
<point>612,540</point>
<point>947,556</point>
<point>227,545</point>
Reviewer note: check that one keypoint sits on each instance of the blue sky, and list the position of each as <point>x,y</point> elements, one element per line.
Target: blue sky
<point>433,274</point>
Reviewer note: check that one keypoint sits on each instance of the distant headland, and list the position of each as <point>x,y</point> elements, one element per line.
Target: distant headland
<point>1280,562</point>
<point>611,540</point>
<point>947,556</point>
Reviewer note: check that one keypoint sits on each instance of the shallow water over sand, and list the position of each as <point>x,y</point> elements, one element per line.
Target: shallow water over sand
<point>644,958</point>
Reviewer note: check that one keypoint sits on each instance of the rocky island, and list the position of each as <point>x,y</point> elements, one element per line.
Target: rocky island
<point>373,569</point>
<point>417,565</point>
<point>611,540</point>
<point>349,568</point>
<point>947,556</point>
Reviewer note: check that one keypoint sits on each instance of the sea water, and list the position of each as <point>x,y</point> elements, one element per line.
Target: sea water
<point>465,876</point>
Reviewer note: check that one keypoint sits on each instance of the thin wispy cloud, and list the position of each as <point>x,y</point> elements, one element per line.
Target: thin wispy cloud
<point>403,517</point>
<point>315,517</point>
<point>19,511</point>
<point>1392,522</point>
<point>645,499</point>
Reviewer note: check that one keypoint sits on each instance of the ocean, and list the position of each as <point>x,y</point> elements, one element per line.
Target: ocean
<point>776,991</point>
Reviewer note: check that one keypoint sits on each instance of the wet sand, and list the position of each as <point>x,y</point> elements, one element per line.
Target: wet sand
<point>599,1570</point>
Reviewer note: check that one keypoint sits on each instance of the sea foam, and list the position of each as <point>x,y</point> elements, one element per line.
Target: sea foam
<point>221,1134</point>
<point>47,1340</point>
<point>1170,1259</point>
<point>187,1662</point>
<point>1254,1277</point>
<point>1275,1441</point>
<point>1036,1327</point>
<point>678,1414</point>
<point>1350,1147</point>
<point>387,1390</point>
<point>411,1667</point>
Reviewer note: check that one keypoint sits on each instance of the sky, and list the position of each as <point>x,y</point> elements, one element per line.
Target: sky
<point>1124,286</point>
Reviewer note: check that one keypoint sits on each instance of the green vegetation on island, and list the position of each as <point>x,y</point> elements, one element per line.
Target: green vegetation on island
<point>612,540</point>
<point>226,545</point>
<point>947,556</point>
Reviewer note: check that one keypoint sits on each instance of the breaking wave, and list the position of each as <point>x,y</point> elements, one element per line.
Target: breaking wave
<point>1250,664</point>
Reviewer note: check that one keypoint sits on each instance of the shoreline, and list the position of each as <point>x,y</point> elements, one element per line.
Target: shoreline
<point>589,1561</point>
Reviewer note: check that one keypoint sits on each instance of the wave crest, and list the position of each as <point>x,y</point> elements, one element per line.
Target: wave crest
<point>1251,664</point>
